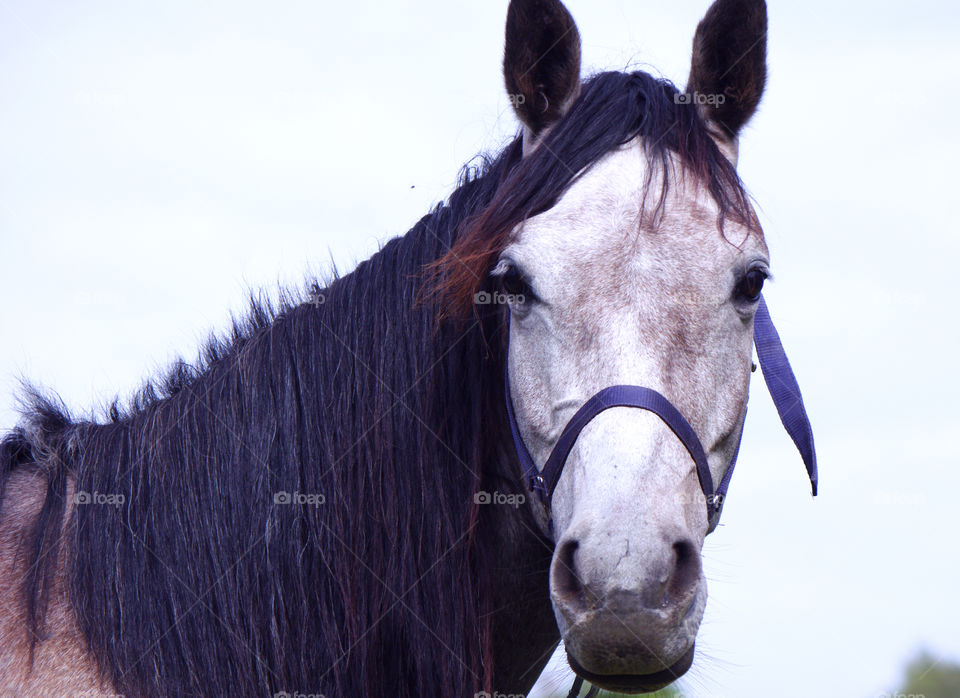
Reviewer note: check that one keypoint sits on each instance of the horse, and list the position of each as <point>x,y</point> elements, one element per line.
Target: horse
<point>354,491</point>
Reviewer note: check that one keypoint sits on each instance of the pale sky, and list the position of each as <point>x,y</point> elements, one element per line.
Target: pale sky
<point>159,159</point>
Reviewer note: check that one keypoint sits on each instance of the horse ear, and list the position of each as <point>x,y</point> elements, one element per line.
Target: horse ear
<point>541,62</point>
<point>729,69</point>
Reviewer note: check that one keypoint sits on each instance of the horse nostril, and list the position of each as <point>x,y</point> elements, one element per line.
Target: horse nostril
<point>567,585</point>
<point>686,570</point>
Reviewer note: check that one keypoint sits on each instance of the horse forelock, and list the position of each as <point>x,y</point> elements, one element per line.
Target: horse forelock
<point>613,109</point>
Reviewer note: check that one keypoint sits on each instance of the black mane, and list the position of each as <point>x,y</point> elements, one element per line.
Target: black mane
<point>203,579</point>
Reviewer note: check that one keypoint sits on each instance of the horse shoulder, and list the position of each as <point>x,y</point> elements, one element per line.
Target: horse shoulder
<point>62,665</point>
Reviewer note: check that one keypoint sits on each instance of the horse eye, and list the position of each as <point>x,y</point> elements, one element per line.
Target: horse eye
<point>752,285</point>
<point>513,284</point>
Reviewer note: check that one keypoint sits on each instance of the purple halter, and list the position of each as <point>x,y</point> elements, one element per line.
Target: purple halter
<point>780,381</point>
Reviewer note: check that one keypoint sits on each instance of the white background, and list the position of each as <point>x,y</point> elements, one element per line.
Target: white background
<point>159,159</point>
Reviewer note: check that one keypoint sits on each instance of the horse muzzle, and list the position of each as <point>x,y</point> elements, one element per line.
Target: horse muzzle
<point>629,623</point>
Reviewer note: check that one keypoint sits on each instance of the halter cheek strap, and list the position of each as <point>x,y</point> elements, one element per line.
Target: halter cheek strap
<point>780,381</point>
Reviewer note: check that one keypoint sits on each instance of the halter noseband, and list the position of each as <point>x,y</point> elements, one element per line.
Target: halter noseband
<point>780,381</point>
